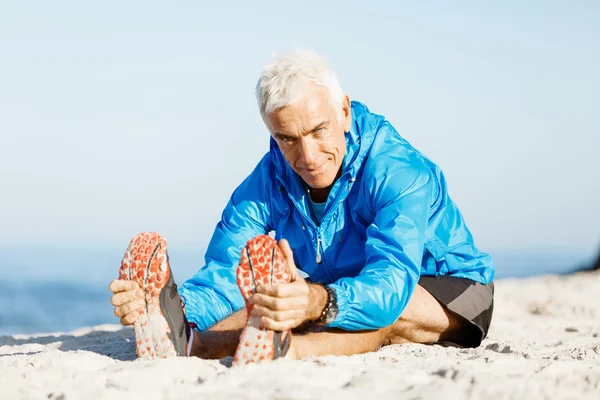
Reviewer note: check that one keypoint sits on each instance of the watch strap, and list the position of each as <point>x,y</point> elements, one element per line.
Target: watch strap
<point>330,311</point>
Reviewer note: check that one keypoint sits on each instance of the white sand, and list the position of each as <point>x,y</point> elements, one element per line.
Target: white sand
<point>544,344</point>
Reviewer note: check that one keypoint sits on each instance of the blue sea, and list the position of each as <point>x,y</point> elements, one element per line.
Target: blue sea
<point>58,289</point>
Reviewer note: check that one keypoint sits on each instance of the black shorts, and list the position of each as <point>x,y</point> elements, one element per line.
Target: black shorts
<point>471,302</point>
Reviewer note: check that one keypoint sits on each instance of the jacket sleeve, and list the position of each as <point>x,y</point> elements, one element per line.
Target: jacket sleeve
<point>395,243</point>
<point>212,294</point>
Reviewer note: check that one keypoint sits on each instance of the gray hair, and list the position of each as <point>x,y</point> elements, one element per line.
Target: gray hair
<point>285,79</point>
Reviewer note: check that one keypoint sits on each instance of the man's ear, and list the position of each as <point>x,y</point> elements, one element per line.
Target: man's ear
<point>346,114</point>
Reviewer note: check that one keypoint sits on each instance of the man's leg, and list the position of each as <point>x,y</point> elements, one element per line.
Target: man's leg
<point>424,320</point>
<point>221,339</point>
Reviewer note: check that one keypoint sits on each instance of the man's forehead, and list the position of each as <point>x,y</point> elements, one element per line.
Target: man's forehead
<point>292,119</point>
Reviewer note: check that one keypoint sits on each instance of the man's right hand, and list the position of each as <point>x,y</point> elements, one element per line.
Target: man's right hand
<point>128,300</point>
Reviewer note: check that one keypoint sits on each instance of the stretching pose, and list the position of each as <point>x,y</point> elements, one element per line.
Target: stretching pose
<point>366,248</point>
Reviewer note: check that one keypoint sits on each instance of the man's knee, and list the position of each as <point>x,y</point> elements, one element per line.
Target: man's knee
<point>424,320</point>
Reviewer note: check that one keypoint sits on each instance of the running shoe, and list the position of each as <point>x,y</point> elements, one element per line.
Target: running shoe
<point>261,263</point>
<point>161,329</point>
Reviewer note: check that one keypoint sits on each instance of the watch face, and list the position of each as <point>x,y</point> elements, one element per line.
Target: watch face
<point>330,315</point>
<point>331,310</point>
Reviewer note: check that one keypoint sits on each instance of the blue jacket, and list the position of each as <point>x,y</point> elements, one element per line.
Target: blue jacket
<point>388,220</point>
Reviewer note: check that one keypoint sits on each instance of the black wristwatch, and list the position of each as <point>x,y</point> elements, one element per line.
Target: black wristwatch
<point>331,309</point>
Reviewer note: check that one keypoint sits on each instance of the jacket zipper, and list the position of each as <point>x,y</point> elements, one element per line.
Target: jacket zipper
<point>319,258</point>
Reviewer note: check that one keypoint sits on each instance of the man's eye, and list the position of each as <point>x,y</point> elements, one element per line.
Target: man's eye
<point>320,132</point>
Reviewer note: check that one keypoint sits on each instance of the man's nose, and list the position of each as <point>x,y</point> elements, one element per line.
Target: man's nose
<point>308,152</point>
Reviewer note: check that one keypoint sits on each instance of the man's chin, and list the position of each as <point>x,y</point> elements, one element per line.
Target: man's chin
<point>316,183</point>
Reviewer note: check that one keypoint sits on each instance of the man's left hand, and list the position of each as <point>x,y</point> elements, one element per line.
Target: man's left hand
<point>288,305</point>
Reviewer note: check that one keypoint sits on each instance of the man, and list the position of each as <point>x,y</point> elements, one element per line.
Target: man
<point>365,216</point>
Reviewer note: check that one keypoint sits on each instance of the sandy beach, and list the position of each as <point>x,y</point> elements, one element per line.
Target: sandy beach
<point>544,343</point>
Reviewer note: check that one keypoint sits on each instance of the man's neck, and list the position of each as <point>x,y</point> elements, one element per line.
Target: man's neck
<point>319,195</point>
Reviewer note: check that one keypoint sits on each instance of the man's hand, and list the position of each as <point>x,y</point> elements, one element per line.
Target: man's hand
<point>128,300</point>
<point>288,305</point>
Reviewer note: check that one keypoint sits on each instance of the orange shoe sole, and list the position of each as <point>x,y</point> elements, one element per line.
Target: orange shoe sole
<point>261,263</point>
<point>145,262</point>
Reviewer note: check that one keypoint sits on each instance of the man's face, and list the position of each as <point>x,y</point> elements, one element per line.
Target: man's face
<point>310,134</point>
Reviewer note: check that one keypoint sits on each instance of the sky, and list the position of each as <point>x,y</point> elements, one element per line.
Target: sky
<point>122,117</point>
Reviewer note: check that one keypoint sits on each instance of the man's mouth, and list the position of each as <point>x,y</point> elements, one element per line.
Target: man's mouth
<point>314,170</point>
